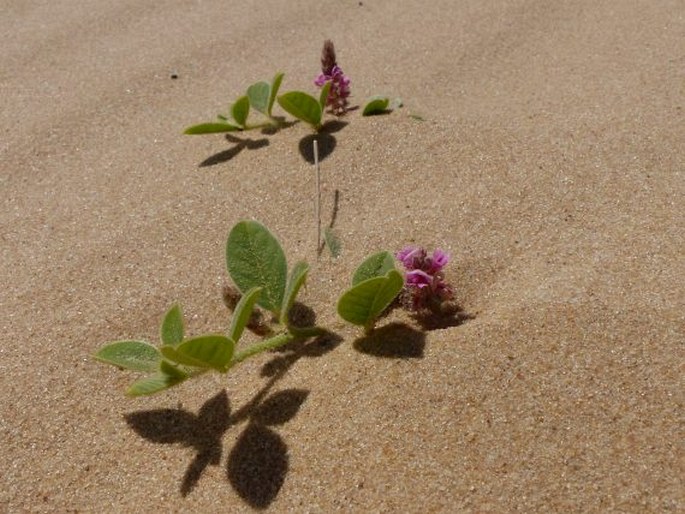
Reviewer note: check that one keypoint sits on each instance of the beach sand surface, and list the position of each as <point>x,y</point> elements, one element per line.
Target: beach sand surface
<point>539,143</point>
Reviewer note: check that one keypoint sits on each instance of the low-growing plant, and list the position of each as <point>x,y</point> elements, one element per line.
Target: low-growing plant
<point>257,265</point>
<point>261,96</point>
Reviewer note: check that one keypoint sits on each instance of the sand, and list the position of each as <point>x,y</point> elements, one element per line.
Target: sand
<point>548,162</point>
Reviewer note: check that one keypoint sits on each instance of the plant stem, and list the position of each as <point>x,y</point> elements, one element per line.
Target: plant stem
<point>318,196</point>
<point>306,332</point>
<point>268,344</point>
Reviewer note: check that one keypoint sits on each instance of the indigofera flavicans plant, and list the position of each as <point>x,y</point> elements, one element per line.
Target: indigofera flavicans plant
<point>258,267</point>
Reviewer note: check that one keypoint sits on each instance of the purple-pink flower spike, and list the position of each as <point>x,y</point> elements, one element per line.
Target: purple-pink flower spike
<point>424,282</point>
<point>340,83</point>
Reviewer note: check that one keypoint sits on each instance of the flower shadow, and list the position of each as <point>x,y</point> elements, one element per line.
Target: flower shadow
<point>395,340</point>
<point>451,315</point>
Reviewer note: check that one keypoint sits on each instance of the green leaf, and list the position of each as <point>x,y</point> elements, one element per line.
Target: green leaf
<point>210,128</point>
<point>242,313</point>
<point>375,265</point>
<point>364,302</point>
<point>297,277</point>
<point>173,355</point>
<point>240,110</point>
<point>172,326</point>
<point>376,105</point>
<point>254,258</point>
<point>207,351</point>
<point>323,96</point>
<point>275,86</point>
<point>332,242</point>
<point>134,355</point>
<point>303,106</point>
<point>166,377</point>
<point>258,94</point>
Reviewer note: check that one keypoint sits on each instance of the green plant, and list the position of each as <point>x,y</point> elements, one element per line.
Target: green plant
<point>257,265</point>
<point>260,96</point>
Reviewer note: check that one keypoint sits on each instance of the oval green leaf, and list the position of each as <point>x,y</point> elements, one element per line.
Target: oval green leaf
<point>166,377</point>
<point>303,106</point>
<point>240,110</point>
<point>258,94</point>
<point>210,128</point>
<point>172,326</point>
<point>173,355</point>
<point>134,355</point>
<point>364,302</point>
<point>332,242</point>
<point>254,258</point>
<point>275,86</point>
<point>207,351</point>
<point>376,105</point>
<point>376,265</point>
<point>242,313</point>
<point>297,277</point>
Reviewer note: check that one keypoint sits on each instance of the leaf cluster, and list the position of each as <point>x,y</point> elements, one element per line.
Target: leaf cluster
<point>261,97</point>
<point>257,265</point>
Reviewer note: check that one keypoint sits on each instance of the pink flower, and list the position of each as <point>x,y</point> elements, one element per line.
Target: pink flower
<point>424,283</point>
<point>339,92</point>
<point>418,278</point>
<point>340,83</point>
<point>439,260</point>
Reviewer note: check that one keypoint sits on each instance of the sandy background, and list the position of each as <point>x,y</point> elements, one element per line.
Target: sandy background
<point>550,165</point>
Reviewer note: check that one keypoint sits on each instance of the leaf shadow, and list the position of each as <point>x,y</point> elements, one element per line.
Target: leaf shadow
<point>258,463</point>
<point>395,340</point>
<point>202,432</point>
<point>240,145</point>
<point>325,138</point>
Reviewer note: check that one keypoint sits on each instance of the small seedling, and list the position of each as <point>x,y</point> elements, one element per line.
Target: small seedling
<point>260,96</point>
<point>375,284</point>
<point>257,265</point>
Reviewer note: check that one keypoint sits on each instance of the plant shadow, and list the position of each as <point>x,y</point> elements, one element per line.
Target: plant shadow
<point>451,315</point>
<point>395,340</point>
<point>258,464</point>
<point>325,138</point>
<point>240,145</point>
<point>202,432</point>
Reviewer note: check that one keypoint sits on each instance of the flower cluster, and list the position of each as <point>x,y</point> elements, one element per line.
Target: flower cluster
<point>424,281</point>
<point>340,83</point>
